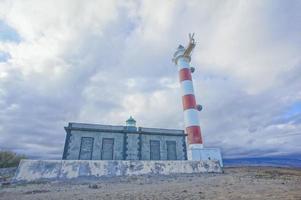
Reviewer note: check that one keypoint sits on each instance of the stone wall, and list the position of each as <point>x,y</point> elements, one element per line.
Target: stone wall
<point>132,146</point>
<point>37,170</point>
<point>180,151</point>
<point>75,142</point>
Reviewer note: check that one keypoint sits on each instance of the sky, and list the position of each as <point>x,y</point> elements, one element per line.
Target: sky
<point>101,61</point>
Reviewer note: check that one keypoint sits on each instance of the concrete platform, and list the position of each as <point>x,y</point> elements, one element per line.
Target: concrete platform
<point>39,170</point>
<point>198,152</point>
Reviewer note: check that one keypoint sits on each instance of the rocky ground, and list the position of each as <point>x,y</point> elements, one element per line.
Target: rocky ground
<point>235,183</point>
<point>6,174</point>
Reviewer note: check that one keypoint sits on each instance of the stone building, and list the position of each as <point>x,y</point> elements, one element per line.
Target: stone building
<point>106,142</point>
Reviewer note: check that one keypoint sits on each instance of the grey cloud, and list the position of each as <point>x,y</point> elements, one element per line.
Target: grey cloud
<point>98,69</point>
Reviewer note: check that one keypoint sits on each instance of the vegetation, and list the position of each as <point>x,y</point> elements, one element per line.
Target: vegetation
<point>10,159</point>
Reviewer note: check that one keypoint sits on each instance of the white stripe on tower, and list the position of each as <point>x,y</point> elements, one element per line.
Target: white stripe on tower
<point>191,117</point>
<point>182,63</point>
<point>187,87</point>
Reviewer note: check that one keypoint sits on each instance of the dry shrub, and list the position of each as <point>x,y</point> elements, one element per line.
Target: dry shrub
<point>10,159</point>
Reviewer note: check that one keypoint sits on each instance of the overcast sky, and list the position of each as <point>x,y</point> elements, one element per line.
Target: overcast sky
<point>101,61</point>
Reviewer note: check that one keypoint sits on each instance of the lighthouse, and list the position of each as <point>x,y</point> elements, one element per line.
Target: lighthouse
<point>195,148</point>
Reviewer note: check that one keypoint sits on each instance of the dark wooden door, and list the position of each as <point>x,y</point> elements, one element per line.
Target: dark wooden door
<point>155,150</point>
<point>86,148</point>
<point>107,149</point>
<point>171,150</point>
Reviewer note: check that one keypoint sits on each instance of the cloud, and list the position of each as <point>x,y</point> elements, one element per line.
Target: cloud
<point>101,61</point>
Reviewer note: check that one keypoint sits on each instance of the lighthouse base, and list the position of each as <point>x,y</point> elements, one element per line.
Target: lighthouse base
<point>198,152</point>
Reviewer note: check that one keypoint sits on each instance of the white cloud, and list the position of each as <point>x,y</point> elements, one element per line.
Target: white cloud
<point>101,61</point>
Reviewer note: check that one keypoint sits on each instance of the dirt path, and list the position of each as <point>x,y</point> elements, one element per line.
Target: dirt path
<point>235,183</point>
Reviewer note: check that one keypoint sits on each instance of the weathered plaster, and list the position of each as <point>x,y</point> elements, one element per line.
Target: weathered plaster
<point>37,170</point>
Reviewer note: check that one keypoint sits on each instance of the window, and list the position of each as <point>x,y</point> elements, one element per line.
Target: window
<point>171,150</point>
<point>107,149</point>
<point>155,150</point>
<point>86,148</point>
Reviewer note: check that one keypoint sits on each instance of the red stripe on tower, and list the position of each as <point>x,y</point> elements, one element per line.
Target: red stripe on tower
<point>194,135</point>
<point>185,74</point>
<point>188,101</point>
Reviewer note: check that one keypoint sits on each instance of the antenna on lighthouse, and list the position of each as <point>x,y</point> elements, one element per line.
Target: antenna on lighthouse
<point>190,46</point>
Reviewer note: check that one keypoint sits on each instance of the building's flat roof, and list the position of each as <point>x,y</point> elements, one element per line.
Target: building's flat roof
<point>124,129</point>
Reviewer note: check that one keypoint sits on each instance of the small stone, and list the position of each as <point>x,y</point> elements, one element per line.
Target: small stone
<point>5,183</point>
<point>184,191</point>
<point>93,186</point>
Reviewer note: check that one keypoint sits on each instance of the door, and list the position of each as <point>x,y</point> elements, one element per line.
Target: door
<point>171,150</point>
<point>155,150</point>
<point>86,148</point>
<point>107,149</point>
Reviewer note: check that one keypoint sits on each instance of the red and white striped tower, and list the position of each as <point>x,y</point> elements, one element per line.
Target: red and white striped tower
<point>182,58</point>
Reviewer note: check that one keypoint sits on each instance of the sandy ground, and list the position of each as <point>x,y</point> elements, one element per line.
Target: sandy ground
<point>235,183</point>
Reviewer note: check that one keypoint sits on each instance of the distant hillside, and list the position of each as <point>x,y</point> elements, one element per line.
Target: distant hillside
<point>267,161</point>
